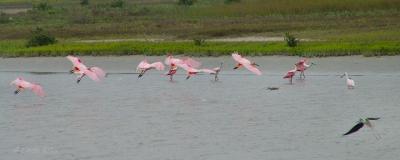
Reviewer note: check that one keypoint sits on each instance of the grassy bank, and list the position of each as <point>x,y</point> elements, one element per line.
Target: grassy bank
<point>320,49</point>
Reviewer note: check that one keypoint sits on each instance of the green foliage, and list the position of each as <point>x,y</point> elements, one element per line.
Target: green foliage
<point>290,40</point>
<point>199,41</point>
<point>186,2</point>
<point>84,2</point>
<point>231,1</point>
<point>117,4</point>
<point>308,49</point>
<point>40,38</point>
<point>4,18</point>
<point>42,6</point>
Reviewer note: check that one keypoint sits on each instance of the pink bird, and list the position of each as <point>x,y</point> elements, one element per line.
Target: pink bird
<point>251,66</point>
<point>21,85</point>
<point>174,62</point>
<point>217,70</point>
<point>144,66</point>
<point>302,65</point>
<point>193,71</point>
<point>290,74</point>
<point>94,73</point>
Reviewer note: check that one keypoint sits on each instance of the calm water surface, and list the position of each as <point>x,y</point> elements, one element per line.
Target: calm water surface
<point>124,117</point>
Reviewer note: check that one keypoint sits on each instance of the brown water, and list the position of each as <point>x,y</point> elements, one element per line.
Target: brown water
<point>151,118</point>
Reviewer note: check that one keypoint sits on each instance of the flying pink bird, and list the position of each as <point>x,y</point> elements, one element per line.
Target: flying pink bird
<point>193,71</point>
<point>302,66</point>
<point>290,74</point>
<point>144,66</point>
<point>21,85</point>
<point>251,66</point>
<point>174,62</point>
<point>94,73</point>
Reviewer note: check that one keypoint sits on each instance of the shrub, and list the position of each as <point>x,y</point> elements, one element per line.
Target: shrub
<point>199,41</point>
<point>40,38</point>
<point>291,41</point>
<point>84,2</point>
<point>117,4</point>
<point>42,6</point>
<point>4,18</point>
<point>231,1</point>
<point>186,2</point>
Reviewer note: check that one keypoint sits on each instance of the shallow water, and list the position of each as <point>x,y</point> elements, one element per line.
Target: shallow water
<point>124,117</point>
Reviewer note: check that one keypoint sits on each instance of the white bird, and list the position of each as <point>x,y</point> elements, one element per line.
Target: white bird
<point>350,82</point>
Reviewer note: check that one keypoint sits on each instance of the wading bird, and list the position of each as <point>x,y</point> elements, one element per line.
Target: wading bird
<point>251,66</point>
<point>290,74</point>
<point>302,66</point>
<point>360,124</point>
<point>21,85</point>
<point>94,73</point>
<point>174,62</point>
<point>349,82</point>
<point>144,66</point>
<point>193,71</point>
<point>217,70</point>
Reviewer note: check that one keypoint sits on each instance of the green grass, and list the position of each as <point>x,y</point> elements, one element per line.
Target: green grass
<point>320,49</point>
<point>336,27</point>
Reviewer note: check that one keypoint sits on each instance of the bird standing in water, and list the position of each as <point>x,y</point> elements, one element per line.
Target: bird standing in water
<point>290,74</point>
<point>349,82</point>
<point>302,66</point>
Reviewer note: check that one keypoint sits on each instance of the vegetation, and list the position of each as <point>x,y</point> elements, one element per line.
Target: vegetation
<point>40,38</point>
<point>291,41</point>
<point>336,23</point>
<point>309,49</point>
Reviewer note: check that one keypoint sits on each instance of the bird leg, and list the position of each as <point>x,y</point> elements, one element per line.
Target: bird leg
<point>80,78</point>
<point>17,91</point>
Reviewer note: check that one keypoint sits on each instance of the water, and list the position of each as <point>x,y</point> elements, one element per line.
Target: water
<point>237,118</point>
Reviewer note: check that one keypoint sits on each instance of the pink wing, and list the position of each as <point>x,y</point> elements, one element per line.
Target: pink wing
<point>238,58</point>
<point>192,63</point>
<point>91,75</point>
<point>187,68</point>
<point>99,72</point>
<point>208,71</point>
<point>38,90</point>
<point>75,61</point>
<point>143,65</point>
<point>158,66</point>
<point>252,69</point>
<point>289,74</point>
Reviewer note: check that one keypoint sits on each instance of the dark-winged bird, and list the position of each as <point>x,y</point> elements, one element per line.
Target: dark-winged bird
<point>361,124</point>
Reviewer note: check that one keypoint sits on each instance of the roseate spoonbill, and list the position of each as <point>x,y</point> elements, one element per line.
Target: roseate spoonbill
<point>21,85</point>
<point>144,66</point>
<point>193,71</point>
<point>350,82</point>
<point>290,74</point>
<point>251,66</point>
<point>174,62</point>
<point>217,70</point>
<point>360,124</point>
<point>302,66</point>
<point>94,73</point>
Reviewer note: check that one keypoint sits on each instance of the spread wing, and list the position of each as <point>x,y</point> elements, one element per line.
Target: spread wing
<point>355,128</point>
<point>238,58</point>
<point>252,69</point>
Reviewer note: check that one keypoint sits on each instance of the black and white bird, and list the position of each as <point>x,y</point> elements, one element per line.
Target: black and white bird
<point>361,124</point>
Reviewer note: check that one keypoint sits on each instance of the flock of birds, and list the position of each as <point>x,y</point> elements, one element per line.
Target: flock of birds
<point>191,67</point>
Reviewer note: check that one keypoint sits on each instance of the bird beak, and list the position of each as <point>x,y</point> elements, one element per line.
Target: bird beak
<point>235,68</point>
<point>16,91</point>
<point>140,75</point>
<point>71,71</point>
